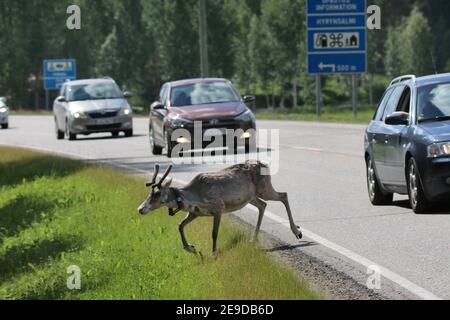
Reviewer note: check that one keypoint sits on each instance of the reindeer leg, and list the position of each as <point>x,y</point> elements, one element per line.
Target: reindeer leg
<point>261,205</point>
<point>188,247</point>
<point>215,235</point>
<point>283,197</point>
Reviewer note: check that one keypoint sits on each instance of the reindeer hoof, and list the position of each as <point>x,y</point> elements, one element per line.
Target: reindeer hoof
<point>191,249</point>
<point>299,236</point>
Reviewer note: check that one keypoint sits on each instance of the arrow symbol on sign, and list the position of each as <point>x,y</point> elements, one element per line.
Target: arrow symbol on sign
<point>323,66</point>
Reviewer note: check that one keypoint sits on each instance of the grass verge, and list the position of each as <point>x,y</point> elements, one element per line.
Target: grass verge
<point>364,115</point>
<point>55,213</point>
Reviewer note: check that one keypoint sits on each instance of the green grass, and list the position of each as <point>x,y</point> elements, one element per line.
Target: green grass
<point>55,213</point>
<point>328,115</point>
<point>31,113</point>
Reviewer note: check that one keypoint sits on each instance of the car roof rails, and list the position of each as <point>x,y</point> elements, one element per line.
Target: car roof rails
<point>408,77</point>
<point>107,78</point>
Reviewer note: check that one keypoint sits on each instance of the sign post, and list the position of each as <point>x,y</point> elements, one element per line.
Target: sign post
<point>56,72</point>
<point>337,40</point>
<point>318,96</point>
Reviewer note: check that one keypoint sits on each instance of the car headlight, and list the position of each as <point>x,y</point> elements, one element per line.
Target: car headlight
<point>3,109</point>
<point>247,116</point>
<point>125,111</point>
<point>179,122</point>
<point>439,149</point>
<point>79,115</point>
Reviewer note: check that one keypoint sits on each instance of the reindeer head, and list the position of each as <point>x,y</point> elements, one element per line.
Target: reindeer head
<point>159,192</point>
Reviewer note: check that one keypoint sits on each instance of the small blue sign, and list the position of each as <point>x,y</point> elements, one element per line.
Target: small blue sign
<point>334,21</point>
<point>336,6</point>
<point>336,64</point>
<point>337,36</point>
<point>324,40</point>
<point>56,72</point>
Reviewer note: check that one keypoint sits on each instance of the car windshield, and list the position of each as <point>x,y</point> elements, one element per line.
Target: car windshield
<point>203,93</point>
<point>94,91</point>
<point>433,102</point>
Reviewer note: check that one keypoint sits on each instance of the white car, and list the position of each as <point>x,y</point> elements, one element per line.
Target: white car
<point>4,113</point>
<point>92,106</point>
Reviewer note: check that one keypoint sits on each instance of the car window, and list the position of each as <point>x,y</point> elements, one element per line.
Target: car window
<point>433,101</point>
<point>393,101</point>
<point>203,93</point>
<point>62,91</point>
<point>94,91</point>
<point>382,105</point>
<point>405,99</point>
<point>163,94</point>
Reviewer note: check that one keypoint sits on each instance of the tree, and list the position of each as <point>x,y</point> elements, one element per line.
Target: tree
<point>284,21</point>
<point>410,47</point>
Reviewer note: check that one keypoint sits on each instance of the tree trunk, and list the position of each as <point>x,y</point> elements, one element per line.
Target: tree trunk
<point>294,94</point>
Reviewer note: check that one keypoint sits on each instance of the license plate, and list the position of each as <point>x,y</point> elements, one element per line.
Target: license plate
<point>102,122</point>
<point>214,132</point>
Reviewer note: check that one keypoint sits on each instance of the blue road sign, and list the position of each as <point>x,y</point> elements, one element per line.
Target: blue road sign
<point>336,6</point>
<point>337,36</point>
<point>336,21</point>
<point>325,40</point>
<point>337,63</point>
<point>56,72</point>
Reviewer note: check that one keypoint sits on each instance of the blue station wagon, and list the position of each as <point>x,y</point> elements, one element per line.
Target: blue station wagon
<point>407,145</point>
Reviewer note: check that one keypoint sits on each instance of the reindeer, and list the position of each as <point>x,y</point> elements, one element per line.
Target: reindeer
<point>214,194</point>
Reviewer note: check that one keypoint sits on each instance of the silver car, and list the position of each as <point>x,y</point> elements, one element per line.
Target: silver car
<point>92,106</point>
<point>4,113</point>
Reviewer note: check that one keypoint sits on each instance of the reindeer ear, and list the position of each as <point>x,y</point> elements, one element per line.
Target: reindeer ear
<point>168,183</point>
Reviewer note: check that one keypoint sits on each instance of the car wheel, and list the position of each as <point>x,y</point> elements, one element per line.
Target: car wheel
<point>5,126</point>
<point>376,195</point>
<point>250,146</point>
<point>156,150</point>
<point>170,145</point>
<point>128,133</point>
<point>69,134</point>
<point>59,133</point>
<point>417,198</point>
<point>115,134</point>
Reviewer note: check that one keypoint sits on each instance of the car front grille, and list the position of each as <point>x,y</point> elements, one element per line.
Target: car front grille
<point>101,115</point>
<point>103,127</point>
<point>220,124</point>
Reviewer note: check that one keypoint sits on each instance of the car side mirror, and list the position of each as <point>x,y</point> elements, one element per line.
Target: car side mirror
<point>127,94</point>
<point>398,118</point>
<point>157,105</point>
<point>61,99</point>
<point>249,99</point>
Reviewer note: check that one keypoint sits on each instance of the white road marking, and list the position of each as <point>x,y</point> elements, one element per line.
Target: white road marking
<point>388,274</point>
<point>302,148</point>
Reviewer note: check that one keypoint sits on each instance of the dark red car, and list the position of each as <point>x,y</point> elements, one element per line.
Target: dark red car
<point>211,105</point>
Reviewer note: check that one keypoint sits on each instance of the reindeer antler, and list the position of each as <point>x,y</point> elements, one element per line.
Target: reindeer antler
<point>164,177</point>
<point>155,175</point>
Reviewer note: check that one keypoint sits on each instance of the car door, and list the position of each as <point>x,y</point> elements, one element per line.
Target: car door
<point>396,141</point>
<point>59,109</point>
<point>158,116</point>
<point>375,133</point>
<point>383,134</point>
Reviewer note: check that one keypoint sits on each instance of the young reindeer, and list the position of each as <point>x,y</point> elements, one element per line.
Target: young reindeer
<point>214,194</point>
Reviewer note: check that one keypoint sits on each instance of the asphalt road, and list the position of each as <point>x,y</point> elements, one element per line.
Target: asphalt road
<point>322,169</point>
